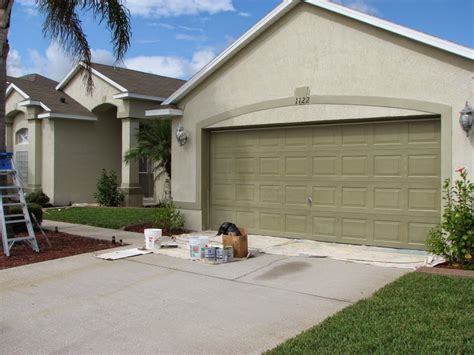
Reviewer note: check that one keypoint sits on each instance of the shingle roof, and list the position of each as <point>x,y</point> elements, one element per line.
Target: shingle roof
<point>42,89</point>
<point>138,82</point>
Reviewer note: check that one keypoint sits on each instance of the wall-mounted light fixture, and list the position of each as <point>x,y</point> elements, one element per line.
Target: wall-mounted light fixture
<point>181,135</point>
<point>465,119</point>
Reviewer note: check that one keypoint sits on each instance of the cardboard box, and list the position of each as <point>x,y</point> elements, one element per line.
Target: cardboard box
<point>239,243</point>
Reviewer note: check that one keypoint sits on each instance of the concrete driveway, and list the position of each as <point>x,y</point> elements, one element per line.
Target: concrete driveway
<point>159,304</point>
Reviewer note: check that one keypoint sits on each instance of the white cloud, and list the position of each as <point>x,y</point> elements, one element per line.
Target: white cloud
<point>14,65</point>
<point>28,7</point>
<point>166,8</point>
<point>173,66</point>
<point>244,14</point>
<point>187,37</point>
<point>54,63</point>
<point>359,5</point>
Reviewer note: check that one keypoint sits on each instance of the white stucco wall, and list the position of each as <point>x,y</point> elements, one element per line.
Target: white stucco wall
<point>333,55</point>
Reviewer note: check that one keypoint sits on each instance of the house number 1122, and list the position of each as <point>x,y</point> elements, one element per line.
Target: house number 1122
<point>302,100</point>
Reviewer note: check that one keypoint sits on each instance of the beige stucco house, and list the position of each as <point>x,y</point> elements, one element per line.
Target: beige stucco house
<point>63,137</point>
<point>323,123</point>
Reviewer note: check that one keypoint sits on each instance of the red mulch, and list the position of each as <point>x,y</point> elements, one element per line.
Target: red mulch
<point>446,270</point>
<point>140,228</point>
<point>62,245</point>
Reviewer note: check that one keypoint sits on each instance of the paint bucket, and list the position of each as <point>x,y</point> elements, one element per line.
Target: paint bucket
<point>194,248</point>
<point>152,238</point>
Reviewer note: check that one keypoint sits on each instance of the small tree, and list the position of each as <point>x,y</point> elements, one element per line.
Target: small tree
<point>108,192</point>
<point>453,238</point>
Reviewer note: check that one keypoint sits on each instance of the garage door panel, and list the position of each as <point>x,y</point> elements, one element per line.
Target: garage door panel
<point>388,165</point>
<point>246,193</point>
<point>355,165</point>
<point>296,195</point>
<point>355,228</point>
<point>356,135</point>
<point>388,198</point>
<point>296,224</point>
<point>418,230</point>
<point>270,222</point>
<point>296,166</point>
<point>326,136</point>
<point>325,166</point>
<point>325,196</point>
<point>376,183</point>
<point>270,166</point>
<point>424,132</point>
<point>325,227</point>
<point>389,231</point>
<point>355,197</point>
<point>424,200</point>
<point>423,165</point>
<point>389,134</point>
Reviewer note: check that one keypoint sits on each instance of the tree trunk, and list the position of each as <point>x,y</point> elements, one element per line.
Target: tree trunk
<point>5,13</point>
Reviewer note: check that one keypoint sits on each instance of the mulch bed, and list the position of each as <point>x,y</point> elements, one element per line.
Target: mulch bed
<point>62,245</point>
<point>446,270</point>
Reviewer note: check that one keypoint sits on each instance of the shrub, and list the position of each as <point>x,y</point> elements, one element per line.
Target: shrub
<point>169,218</point>
<point>38,197</point>
<point>108,192</point>
<point>33,209</point>
<point>453,238</point>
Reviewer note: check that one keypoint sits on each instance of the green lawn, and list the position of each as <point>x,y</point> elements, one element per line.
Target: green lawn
<point>114,218</point>
<point>417,314</point>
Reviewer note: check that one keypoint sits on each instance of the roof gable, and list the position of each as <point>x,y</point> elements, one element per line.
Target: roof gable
<point>127,81</point>
<point>288,5</point>
<point>39,90</point>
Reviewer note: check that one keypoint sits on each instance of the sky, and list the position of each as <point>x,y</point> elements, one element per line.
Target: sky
<point>177,38</point>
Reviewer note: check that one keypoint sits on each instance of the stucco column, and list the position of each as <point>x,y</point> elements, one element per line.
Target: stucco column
<point>34,154</point>
<point>9,135</point>
<point>130,182</point>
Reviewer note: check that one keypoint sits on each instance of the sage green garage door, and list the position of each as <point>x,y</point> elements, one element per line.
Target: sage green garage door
<point>372,183</point>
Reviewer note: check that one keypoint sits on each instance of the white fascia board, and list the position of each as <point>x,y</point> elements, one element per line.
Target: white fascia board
<point>66,116</point>
<point>393,27</point>
<point>234,48</point>
<point>165,112</point>
<point>131,95</point>
<point>68,77</point>
<point>284,8</point>
<point>12,87</point>
<point>30,102</point>
<point>76,69</point>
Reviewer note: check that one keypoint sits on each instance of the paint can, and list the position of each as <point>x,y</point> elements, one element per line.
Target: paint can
<point>152,238</point>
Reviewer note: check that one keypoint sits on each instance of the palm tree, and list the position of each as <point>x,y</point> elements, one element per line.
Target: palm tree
<point>154,145</point>
<point>62,24</point>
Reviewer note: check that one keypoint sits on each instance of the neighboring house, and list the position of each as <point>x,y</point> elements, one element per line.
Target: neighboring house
<point>70,135</point>
<point>323,123</point>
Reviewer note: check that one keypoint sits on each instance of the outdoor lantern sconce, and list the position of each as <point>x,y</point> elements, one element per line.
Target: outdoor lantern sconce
<point>465,119</point>
<point>181,135</point>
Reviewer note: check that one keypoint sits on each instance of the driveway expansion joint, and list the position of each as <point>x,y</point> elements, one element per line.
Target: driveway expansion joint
<point>347,302</point>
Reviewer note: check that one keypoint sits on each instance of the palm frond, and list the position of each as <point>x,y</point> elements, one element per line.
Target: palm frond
<point>154,144</point>
<point>62,23</point>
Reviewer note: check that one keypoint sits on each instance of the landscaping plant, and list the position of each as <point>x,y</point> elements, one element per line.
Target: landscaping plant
<point>108,192</point>
<point>453,238</point>
<point>38,197</point>
<point>169,218</point>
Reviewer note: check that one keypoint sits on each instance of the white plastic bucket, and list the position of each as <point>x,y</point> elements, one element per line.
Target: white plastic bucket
<point>203,242</point>
<point>152,238</point>
<point>194,248</point>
